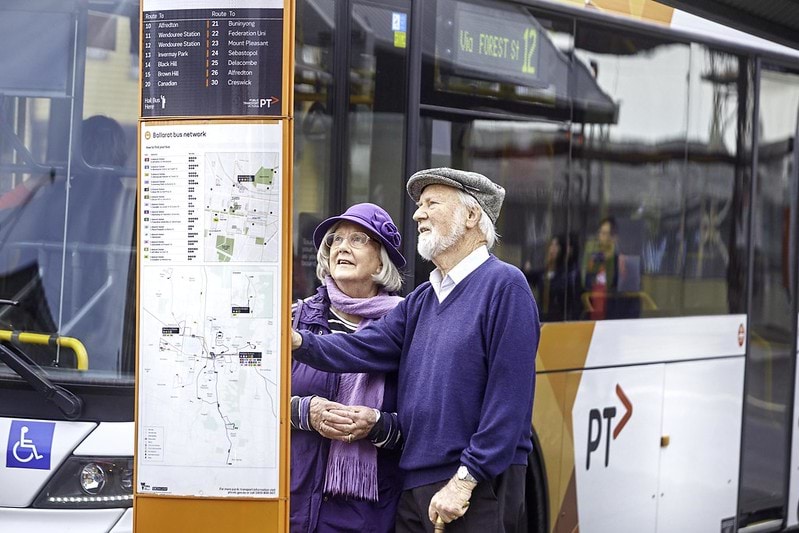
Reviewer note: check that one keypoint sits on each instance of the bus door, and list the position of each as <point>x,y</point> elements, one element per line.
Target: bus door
<point>769,491</point>
<point>351,84</point>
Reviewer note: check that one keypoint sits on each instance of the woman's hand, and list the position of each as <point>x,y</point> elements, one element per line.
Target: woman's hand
<point>325,421</point>
<point>362,419</point>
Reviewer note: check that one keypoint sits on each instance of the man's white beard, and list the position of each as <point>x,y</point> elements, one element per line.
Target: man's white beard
<point>432,243</point>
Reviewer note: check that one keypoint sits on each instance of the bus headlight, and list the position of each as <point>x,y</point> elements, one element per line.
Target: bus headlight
<point>89,483</point>
<point>92,478</point>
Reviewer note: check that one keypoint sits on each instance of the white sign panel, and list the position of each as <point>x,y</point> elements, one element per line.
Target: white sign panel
<point>617,429</point>
<point>209,310</point>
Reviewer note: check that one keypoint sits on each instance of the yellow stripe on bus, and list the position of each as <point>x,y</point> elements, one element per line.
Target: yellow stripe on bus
<point>563,346</point>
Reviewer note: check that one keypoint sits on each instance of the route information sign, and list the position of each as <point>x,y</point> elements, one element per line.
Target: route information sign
<point>209,309</point>
<point>210,61</point>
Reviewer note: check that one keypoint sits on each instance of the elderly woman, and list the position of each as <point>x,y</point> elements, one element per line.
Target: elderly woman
<point>345,438</point>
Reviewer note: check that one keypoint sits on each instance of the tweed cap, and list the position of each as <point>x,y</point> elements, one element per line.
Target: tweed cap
<point>487,193</point>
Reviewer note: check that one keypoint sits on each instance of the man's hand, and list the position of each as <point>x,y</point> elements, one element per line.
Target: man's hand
<point>452,501</point>
<point>323,418</point>
<point>296,340</point>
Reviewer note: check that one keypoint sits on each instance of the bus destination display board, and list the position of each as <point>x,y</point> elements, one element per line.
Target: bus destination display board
<point>212,62</point>
<point>492,44</point>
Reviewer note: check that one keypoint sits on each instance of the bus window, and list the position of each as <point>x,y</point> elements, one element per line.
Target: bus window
<point>68,191</point>
<point>350,110</point>
<point>718,170</point>
<point>471,119</point>
<point>313,134</point>
<point>378,67</point>
<point>652,194</point>
<point>530,160</point>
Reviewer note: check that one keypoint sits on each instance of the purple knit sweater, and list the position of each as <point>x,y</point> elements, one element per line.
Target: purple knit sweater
<point>466,372</point>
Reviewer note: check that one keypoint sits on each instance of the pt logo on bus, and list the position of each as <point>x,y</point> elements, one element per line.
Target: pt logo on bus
<point>595,433</point>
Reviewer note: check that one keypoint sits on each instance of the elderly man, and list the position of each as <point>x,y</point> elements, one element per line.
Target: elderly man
<point>464,345</point>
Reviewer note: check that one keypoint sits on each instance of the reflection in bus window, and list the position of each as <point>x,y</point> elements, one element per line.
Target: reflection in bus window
<point>666,187</point>
<point>772,322</point>
<point>68,193</point>
<point>556,285</point>
<point>530,160</point>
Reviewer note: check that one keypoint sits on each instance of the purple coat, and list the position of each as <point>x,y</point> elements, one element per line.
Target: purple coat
<point>311,510</point>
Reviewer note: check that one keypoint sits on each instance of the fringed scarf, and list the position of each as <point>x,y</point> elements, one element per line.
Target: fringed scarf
<point>352,468</point>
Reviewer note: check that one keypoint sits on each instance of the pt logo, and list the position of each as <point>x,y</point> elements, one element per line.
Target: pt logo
<point>29,444</point>
<point>595,433</point>
<point>268,102</point>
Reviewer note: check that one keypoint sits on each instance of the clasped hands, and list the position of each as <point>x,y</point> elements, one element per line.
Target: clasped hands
<point>336,421</point>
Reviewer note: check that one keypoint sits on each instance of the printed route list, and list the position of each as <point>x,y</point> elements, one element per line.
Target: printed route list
<point>212,62</point>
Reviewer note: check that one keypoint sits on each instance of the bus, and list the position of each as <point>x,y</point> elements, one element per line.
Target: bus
<point>652,183</point>
<point>68,119</point>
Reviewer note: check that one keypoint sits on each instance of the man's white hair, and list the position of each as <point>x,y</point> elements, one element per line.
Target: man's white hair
<point>388,276</point>
<point>486,226</point>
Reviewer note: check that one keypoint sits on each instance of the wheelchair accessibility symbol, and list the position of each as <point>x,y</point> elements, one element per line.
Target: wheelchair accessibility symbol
<point>29,444</point>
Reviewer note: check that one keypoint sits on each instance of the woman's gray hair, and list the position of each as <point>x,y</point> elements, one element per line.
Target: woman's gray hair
<point>388,276</point>
<point>486,226</point>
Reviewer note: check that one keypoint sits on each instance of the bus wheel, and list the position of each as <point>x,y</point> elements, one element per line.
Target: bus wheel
<point>536,495</point>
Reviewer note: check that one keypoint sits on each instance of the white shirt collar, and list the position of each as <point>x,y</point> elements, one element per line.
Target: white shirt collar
<point>443,285</point>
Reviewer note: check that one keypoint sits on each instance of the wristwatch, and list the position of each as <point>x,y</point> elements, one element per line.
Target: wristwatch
<point>464,475</point>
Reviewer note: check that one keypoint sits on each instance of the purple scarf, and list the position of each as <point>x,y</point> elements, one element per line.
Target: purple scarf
<point>352,468</point>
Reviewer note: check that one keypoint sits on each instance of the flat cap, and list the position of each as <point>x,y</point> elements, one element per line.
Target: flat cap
<point>487,193</point>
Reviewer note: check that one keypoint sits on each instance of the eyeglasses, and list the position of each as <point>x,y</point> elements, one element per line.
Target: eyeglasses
<point>357,239</point>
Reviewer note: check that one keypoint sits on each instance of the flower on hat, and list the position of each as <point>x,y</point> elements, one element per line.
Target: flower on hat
<point>387,229</point>
<point>391,233</point>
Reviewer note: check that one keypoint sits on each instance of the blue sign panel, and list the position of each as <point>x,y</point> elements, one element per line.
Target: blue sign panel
<point>399,22</point>
<point>29,444</point>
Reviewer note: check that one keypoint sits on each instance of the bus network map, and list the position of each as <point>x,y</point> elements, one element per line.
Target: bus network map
<point>242,201</point>
<point>209,312</point>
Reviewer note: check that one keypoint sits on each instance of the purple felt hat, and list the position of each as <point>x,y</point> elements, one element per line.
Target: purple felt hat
<point>373,218</point>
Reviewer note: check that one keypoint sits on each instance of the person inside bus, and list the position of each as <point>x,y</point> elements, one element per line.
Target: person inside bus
<point>464,344</point>
<point>101,216</point>
<point>600,270</point>
<point>557,285</point>
<point>103,143</point>
<point>345,438</point>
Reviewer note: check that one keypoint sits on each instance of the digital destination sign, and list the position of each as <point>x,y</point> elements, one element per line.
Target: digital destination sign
<point>496,43</point>
<point>212,62</point>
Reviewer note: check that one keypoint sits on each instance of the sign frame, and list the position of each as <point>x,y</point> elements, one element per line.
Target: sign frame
<point>162,512</point>
<point>153,512</point>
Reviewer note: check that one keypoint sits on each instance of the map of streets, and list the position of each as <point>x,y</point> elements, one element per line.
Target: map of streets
<point>209,371</point>
<point>242,202</point>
